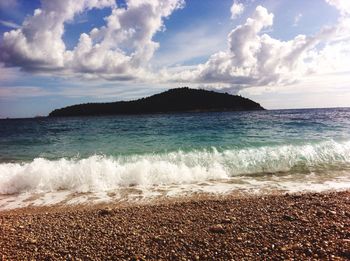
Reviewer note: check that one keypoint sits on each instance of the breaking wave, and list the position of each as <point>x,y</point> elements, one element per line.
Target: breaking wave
<point>103,173</point>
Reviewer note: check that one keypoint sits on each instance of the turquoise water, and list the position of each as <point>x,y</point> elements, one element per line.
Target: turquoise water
<point>54,138</point>
<point>285,149</point>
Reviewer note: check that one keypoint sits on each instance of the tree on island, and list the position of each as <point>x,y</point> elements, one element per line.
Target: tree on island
<point>174,100</point>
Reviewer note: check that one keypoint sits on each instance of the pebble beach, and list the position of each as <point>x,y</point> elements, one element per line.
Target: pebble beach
<point>290,226</point>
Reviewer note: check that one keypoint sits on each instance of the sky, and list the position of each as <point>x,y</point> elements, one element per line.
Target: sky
<point>282,54</point>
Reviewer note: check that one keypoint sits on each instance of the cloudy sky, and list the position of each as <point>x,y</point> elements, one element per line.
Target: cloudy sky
<point>282,54</point>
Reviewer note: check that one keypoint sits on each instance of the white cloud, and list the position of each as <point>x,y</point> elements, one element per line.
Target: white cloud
<point>101,51</point>
<point>38,44</point>
<point>254,58</point>
<point>119,50</point>
<point>342,5</point>
<point>123,48</point>
<point>236,9</point>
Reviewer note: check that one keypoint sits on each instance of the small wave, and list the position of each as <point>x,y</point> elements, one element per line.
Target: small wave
<point>103,173</point>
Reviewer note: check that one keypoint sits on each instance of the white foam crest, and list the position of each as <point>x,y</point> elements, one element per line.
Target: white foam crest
<point>102,173</point>
<point>98,173</point>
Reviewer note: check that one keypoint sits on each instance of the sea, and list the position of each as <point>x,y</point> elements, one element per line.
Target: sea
<point>140,158</point>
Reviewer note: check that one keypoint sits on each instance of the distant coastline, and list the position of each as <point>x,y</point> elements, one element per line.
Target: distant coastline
<point>174,100</point>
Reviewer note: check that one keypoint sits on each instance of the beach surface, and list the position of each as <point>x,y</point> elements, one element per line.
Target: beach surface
<point>290,226</point>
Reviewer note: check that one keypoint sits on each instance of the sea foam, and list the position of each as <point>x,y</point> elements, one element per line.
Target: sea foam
<point>103,173</point>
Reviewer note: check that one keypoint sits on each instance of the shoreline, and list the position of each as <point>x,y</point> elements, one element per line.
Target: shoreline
<point>301,226</point>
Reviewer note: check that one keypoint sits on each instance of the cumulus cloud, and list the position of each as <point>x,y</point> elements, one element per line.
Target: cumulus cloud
<point>38,44</point>
<point>118,50</point>
<point>122,49</point>
<point>342,5</point>
<point>236,9</point>
<point>133,28</point>
<point>255,58</point>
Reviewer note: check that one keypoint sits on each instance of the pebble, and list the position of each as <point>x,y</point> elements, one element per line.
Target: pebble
<point>226,220</point>
<point>218,228</point>
<point>288,217</point>
<point>105,211</point>
<point>332,212</point>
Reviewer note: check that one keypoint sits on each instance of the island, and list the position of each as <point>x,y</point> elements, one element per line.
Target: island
<point>174,100</point>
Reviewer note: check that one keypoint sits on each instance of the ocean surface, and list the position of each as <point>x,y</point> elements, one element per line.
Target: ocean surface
<point>130,158</point>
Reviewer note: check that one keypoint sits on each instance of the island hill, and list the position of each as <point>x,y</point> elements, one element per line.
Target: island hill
<point>174,100</point>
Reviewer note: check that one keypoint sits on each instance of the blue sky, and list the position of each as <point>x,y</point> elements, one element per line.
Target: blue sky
<point>282,54</point>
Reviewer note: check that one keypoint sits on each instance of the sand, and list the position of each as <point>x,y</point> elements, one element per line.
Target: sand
<point>304,226</point>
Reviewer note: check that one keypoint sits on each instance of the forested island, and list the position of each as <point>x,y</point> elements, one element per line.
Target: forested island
<point>174,100</point>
